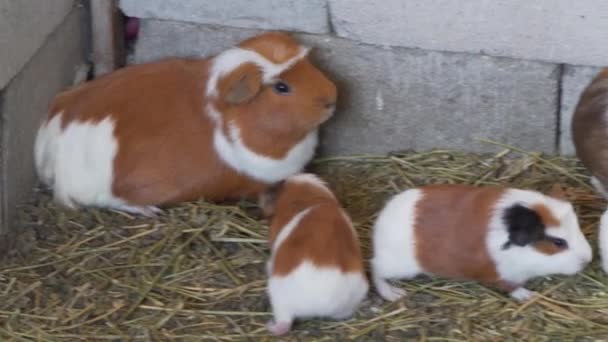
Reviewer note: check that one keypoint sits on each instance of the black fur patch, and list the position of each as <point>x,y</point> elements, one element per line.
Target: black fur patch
<point>524,225</point>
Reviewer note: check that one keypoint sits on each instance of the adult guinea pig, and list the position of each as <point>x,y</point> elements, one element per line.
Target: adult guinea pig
<point>175,130</point>
<point>315,268</point>
<point>590,130</point>
<point>500,237</point>
<point>590,137</point>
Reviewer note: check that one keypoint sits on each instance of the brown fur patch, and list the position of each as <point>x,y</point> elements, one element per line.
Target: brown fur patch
<point>549,220</point>
<point>324,236</point>
<point>590,127</point>
<point>451,228</point>
<point>547,247</point>
<point>165,154</point>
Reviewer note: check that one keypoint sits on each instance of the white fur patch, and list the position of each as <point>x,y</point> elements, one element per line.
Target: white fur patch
<point>394,240</point>
<point>231,59</point>
<point>518,264</point>
<point>45,149</point>
<point>599,187</point>
<point>289,228</point>
<point>311,291</point>
<point>77,162</point>
<point>238,156</point>
<point>603,240</point>
<point>522,294</point>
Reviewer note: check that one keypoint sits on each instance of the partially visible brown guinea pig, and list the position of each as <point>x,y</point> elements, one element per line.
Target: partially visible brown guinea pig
<point>178,129</point>
<point>590,136</point>
<point>590,130</point>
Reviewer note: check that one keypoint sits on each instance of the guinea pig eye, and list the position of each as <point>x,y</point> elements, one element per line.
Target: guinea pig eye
<point>558,242</point>
<point>281,88</point>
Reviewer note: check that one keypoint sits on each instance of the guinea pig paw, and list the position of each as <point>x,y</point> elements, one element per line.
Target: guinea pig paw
<point>147,210</point>
<point>522,294</point>
<point>278,328</point>
<point>388,291</point>
<point>65,201</point>
<point>394,293</point>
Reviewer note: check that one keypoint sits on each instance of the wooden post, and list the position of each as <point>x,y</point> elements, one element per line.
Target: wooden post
<point>107,36</point>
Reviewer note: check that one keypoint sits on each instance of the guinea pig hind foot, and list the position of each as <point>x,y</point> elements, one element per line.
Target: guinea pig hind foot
<point>278,328</point>
<point>146,210</point>
<point>387,291</point>
<point>522,294</point>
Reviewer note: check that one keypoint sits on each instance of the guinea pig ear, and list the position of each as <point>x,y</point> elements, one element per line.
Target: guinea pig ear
<point>524,225</point>
<point>240,85</point>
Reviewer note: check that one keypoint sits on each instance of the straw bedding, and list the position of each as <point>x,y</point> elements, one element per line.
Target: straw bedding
<point>198,272</point>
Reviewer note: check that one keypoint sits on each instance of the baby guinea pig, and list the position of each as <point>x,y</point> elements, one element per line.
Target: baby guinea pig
<point>315,268</point>
<point>500,237</point>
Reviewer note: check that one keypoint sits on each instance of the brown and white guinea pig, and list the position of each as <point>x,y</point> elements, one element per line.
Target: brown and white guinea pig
<point>590,137</point>
<point>315,268</point>
<point>178,129</point>
<point>590,130</point>
<point>500,237</point>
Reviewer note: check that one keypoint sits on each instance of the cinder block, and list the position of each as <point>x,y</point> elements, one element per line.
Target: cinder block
<point>159,39</point>
<point>397,98</point>
<point>25,102</point>
<point>400,98</point>
<point>292,15</point>
<point>24,26</point>
<point>559,31</point>
<point>574,81</point>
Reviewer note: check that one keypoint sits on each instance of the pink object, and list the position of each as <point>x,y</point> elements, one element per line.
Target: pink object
<point>131,28</point>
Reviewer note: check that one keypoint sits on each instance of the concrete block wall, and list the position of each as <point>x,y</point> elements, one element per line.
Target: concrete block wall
<point>414,74</point>
<point>43,45</point>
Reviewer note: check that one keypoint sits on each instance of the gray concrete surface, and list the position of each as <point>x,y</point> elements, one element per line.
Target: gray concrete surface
<point>292,15</point>
<point>24,26</point>
<point>574,80</point>
<point>397,98</point>
<point>25,102</point>
<point>157,39</point>
<point>561,31</point>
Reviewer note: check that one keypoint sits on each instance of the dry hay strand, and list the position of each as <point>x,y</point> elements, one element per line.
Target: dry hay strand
<point>198,271</point>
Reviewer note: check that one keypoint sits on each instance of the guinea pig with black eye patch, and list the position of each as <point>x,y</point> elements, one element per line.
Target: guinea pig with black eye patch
<point>501,237</point>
